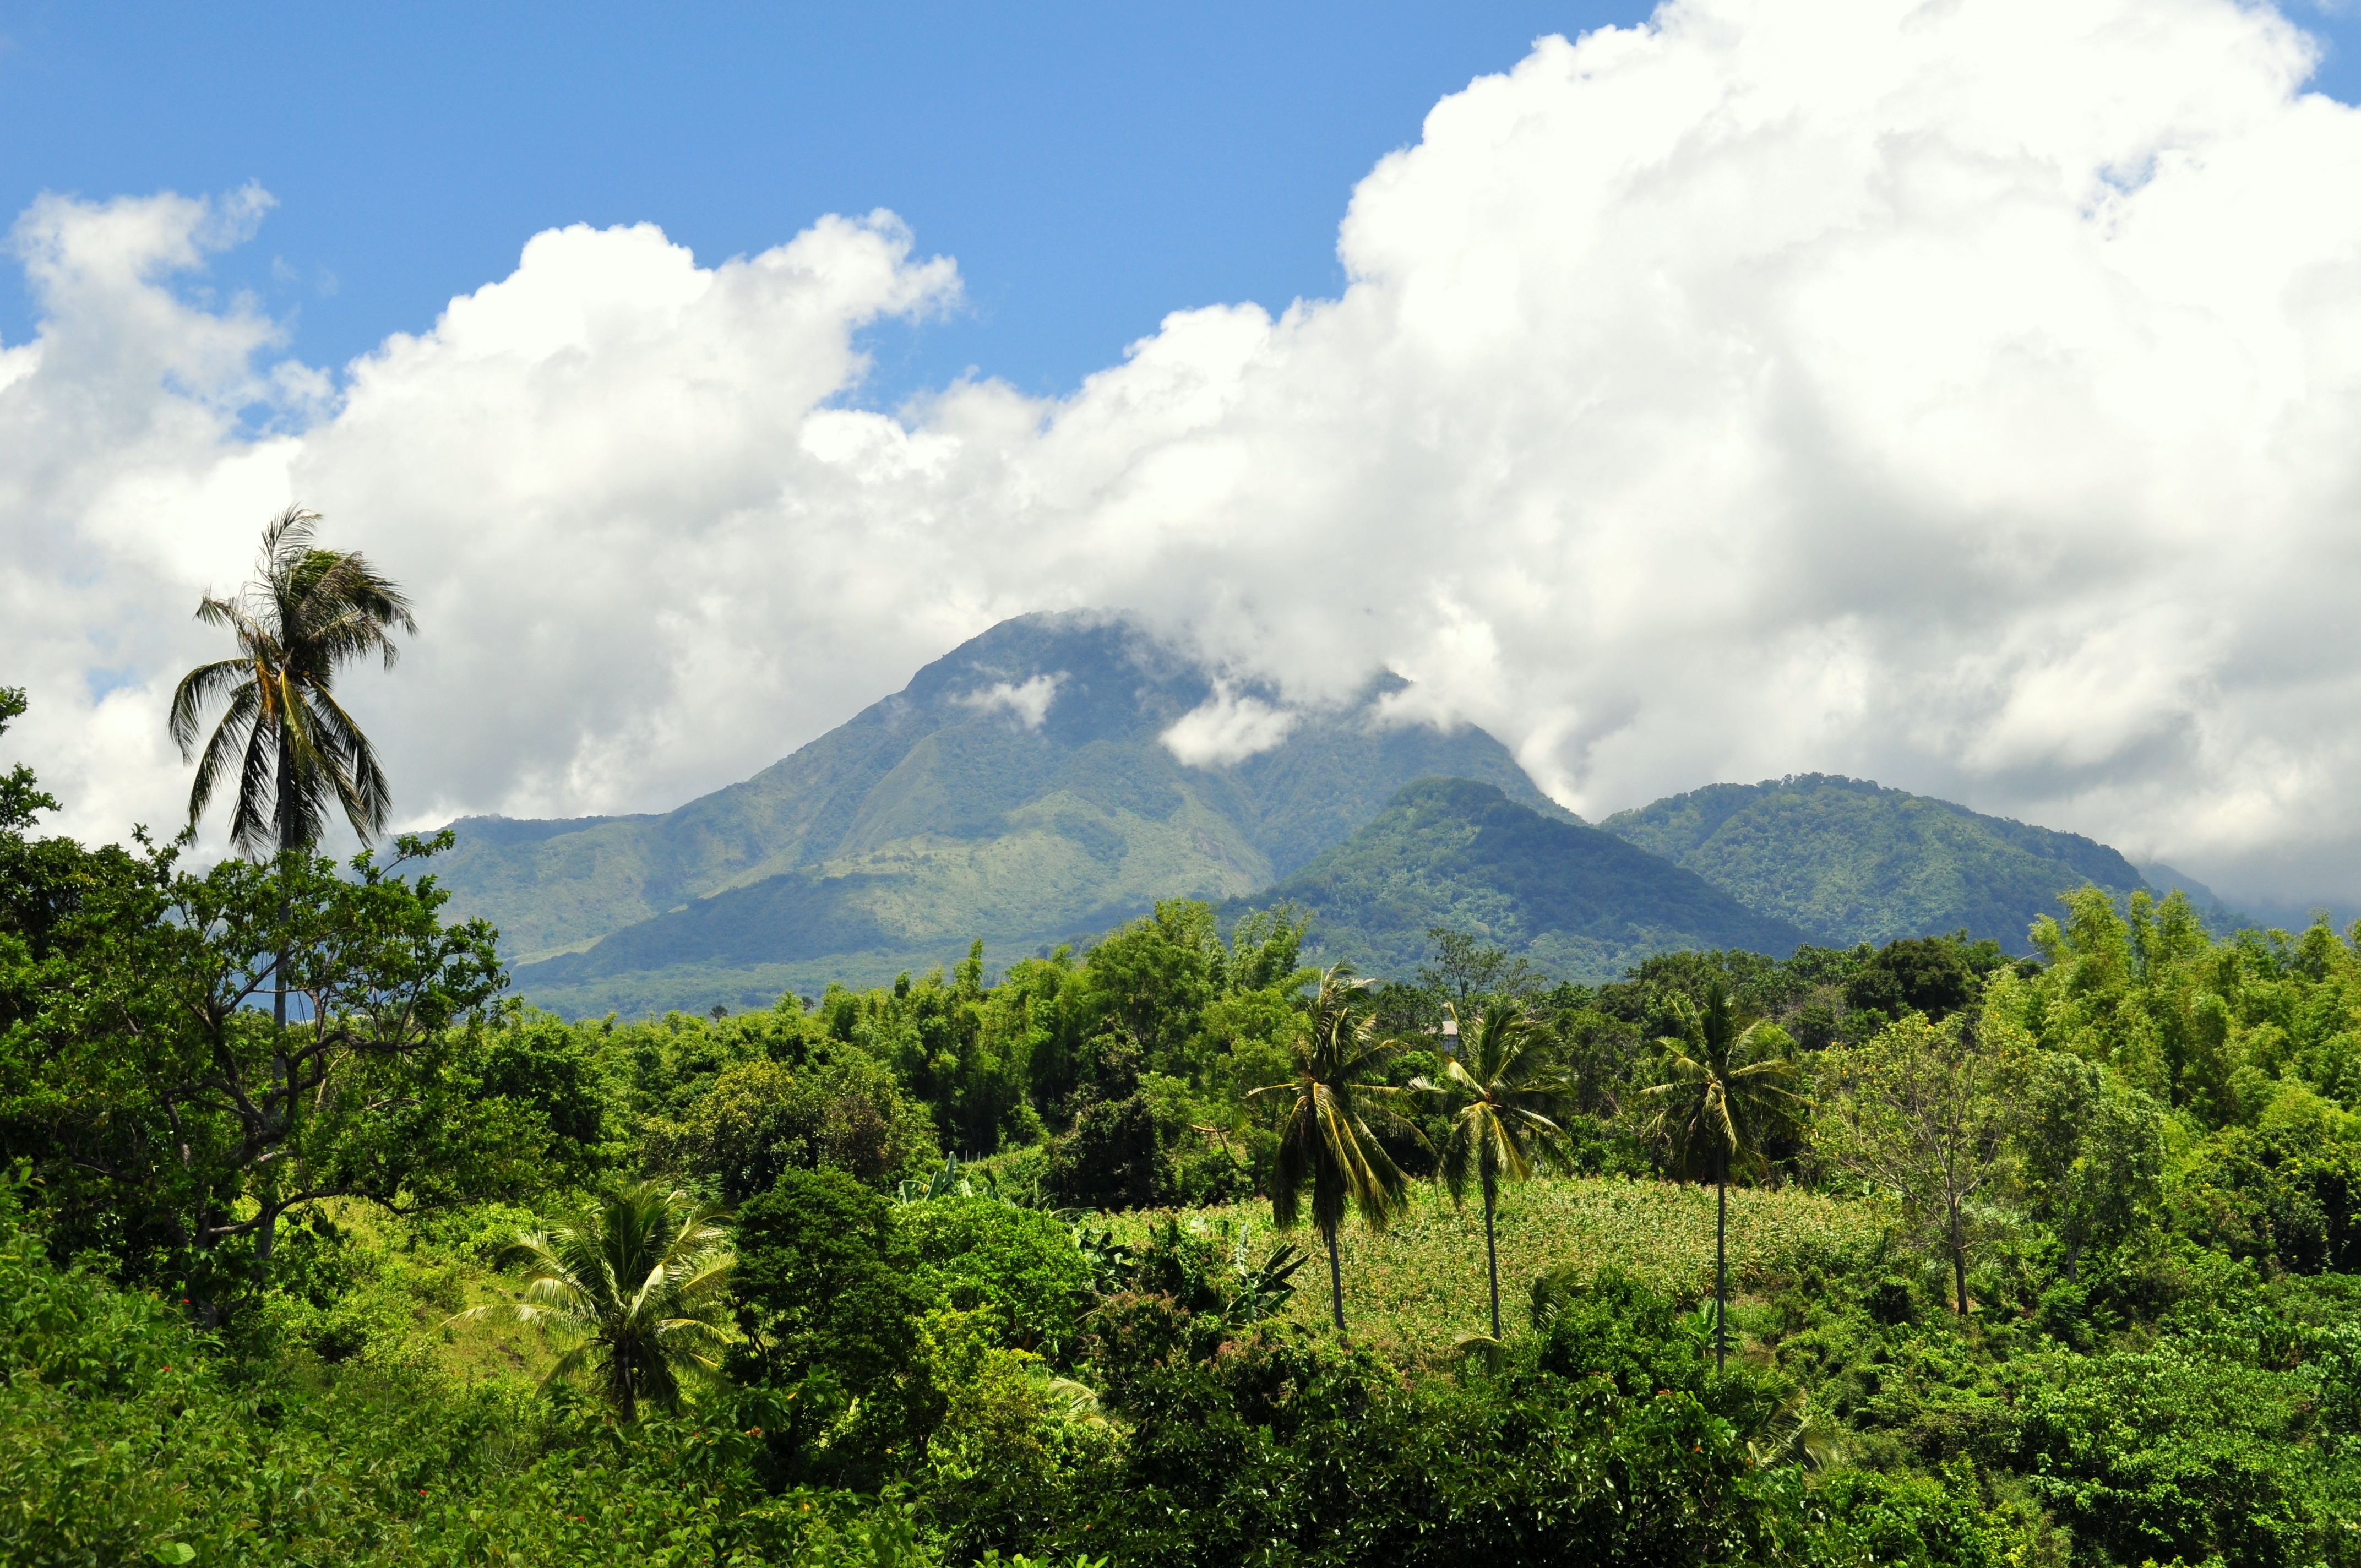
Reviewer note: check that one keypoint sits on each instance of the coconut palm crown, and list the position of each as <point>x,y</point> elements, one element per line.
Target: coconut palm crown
<point>1723,1091</point>
<point>1324,1139</point>
<point>296,755</point>
<point>1503,1095</point>
<point>639,1287</point>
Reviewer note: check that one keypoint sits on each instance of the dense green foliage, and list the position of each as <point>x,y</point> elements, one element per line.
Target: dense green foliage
<point>1849,863</point>
<point>1017,788</point>
<point>1571,900</point>
<point>2062,1266</point>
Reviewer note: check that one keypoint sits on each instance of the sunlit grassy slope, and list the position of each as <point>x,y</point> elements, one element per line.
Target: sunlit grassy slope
<point>398,1307</point>
<point>1409,1291</point>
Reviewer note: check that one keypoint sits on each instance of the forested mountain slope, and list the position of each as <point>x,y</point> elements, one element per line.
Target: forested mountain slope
<point>1849,861</point>
<point>1017,790</point>
<point>1577,902</point>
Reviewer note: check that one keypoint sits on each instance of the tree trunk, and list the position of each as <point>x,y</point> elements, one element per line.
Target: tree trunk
<point>1958,1260</point>
<point>1721,1264</point>
<point>1491,1252</point>
<point>285,1111</point>
<point>1336,1284</point>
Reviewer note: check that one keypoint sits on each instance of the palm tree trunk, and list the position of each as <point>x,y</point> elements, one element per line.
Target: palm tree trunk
<point>268,1234</point>
<point>1336,1284</point>
<point>286,804</point>
<point>1491,1252</point>
<point>1722,1264</point>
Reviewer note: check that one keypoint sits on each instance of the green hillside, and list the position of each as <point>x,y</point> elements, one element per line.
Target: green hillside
<point>1849,861</point>
<point>1579,903</point>
<point>950,811</point>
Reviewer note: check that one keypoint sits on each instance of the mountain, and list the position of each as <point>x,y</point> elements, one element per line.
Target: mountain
<point>1580,904</point>
<point>1018,789</point>
<point>2219,918</point>
<point>1849,861</point>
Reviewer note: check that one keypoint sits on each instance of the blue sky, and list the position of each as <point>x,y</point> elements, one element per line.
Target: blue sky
<point>1091,167</point>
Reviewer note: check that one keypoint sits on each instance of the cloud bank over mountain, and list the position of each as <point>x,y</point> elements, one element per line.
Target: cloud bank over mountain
<point>1962,397</point>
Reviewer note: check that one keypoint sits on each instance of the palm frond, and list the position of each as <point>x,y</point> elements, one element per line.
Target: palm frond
<point>249,829</point>
<point>221,752</point>
<point>199,690</point>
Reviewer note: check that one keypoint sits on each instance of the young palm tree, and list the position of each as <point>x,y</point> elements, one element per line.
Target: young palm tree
<point>1724,1092</point>
<point>1322,1139</point>
<point>639,1286</point>
<point>296,753</point>
<point>1503,1095</point>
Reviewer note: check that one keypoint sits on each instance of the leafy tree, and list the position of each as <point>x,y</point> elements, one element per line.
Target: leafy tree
<point>1925,1111</point>
<point>1465,972</point>
<point>146,1091</point>
<point>534,1059</point>
<point>826,1298</point>
<point>1265,947</point>
<point>1323,1137</point>
<point>2090,1152</point>
<point>1503,1097</point>
<point>1725,1090</point>
<point>1113,1158</point>
<point>761,1117</point>
<point>640,1283</point>
<point>1923,974</point>
<point>21,796</point>
<point>1146,986</point>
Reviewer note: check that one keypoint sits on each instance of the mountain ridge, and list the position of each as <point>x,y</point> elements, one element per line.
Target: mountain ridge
<point>1579,903</point>
<point>1852,860</point>
<point>1021,788</point>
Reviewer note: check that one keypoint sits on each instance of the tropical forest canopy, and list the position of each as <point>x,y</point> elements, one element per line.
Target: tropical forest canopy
<point>2047,1258</point>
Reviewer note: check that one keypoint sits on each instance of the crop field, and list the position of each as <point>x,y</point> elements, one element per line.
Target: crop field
<point>1409,1291</point>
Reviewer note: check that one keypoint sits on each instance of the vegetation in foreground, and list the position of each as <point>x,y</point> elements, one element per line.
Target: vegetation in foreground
<point>2049,1261</point>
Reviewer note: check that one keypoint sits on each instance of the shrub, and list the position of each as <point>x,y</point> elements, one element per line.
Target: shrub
<point>1018,1267</point>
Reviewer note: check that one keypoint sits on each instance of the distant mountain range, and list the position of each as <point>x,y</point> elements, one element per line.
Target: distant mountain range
<point>1018,789</point>
<point>1030,788</point>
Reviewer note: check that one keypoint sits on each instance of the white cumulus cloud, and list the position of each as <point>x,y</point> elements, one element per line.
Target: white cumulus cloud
<point>1960,396</point>
<point>1228,727</point>
<point>1027,701</point>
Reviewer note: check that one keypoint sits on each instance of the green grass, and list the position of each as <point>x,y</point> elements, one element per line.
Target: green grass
<point>1410,1289</point>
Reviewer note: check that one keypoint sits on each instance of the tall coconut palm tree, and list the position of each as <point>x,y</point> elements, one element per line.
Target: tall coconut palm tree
<point>296,753</point>
<point>639,1286</point>
<point>1503,1096</point>
<point>1323,1137</point>
<point>1723,1091</point>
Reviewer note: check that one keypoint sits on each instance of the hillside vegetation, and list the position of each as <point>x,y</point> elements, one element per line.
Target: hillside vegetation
<point>1848,861</point>
<point>1571,899</point>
